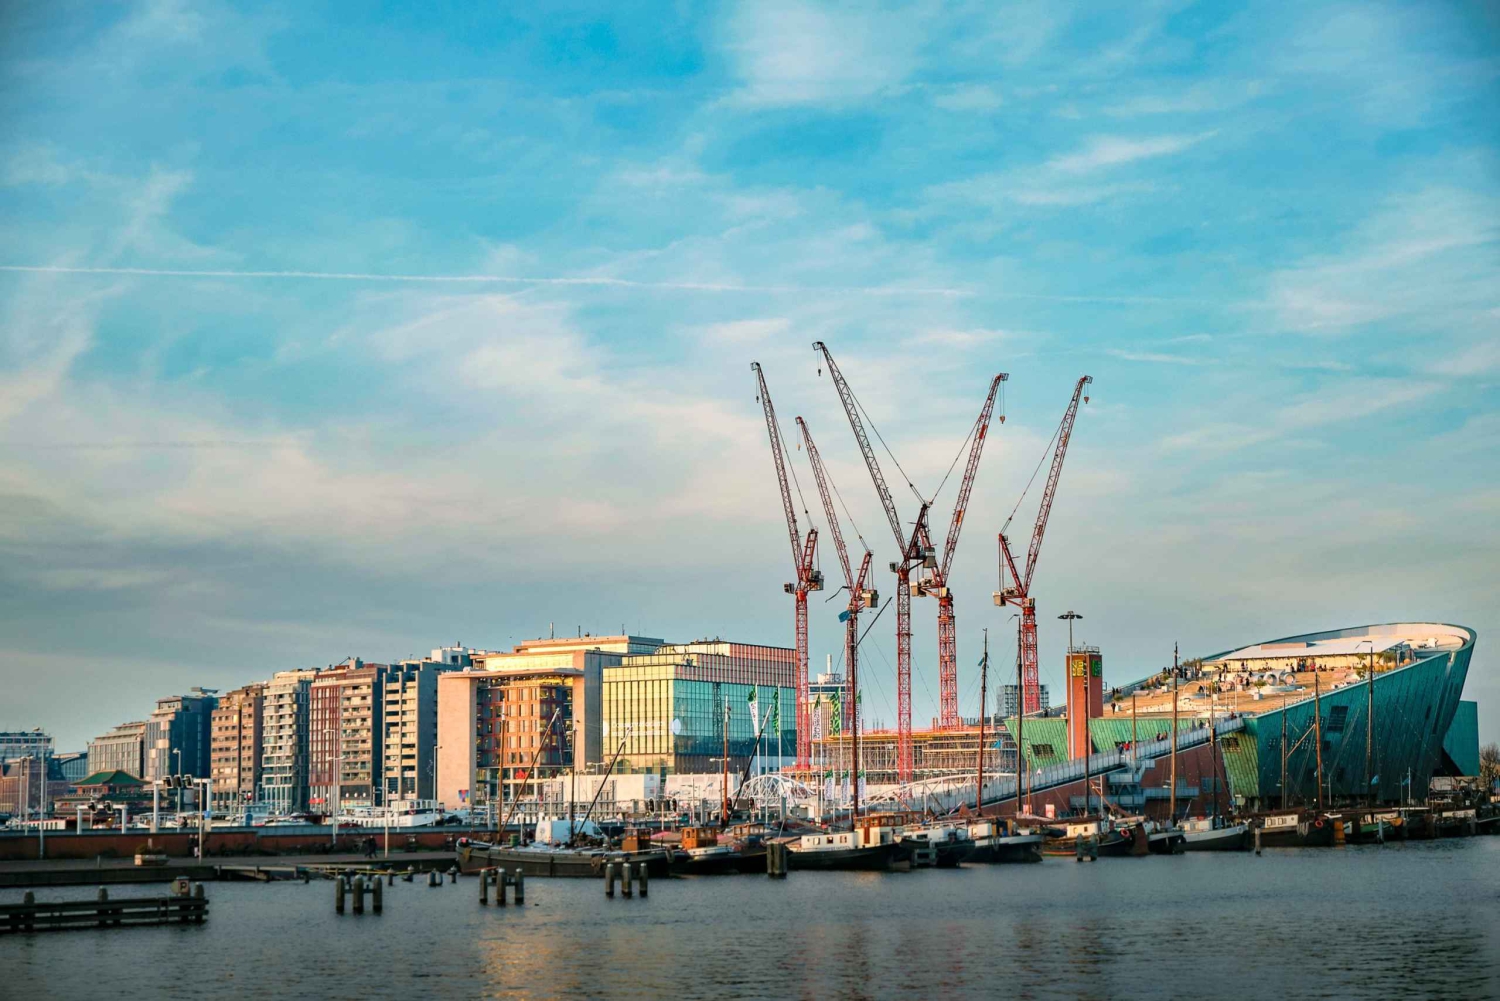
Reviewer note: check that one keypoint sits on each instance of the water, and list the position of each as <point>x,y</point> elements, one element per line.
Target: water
<point>1402,921</point>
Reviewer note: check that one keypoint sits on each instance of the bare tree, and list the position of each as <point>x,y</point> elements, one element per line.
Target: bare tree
<point>1489,764</point>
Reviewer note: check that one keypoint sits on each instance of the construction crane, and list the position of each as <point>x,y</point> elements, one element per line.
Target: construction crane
<point>1019,593</point>
<point>914,552</point>
<point>934,583</point>
<point>809,578</point>
<point>860,598</point>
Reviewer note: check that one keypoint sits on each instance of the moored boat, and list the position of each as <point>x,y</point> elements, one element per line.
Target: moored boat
<point>994,843</point>
<point>1112,841</point>
<point>841,850</point>
<point>1215,835</point>
<point>702,852</point>
<point>555,860</point>
<point>1296,829</point>
<point>950,844</point>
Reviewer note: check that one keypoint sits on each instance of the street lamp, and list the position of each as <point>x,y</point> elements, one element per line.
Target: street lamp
<point>178,752</point>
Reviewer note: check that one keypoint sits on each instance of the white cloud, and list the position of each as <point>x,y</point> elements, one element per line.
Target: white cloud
<point>969,97</point>
<point>1420,259</point>
<point>1104,152</point>
<point>786,52</point>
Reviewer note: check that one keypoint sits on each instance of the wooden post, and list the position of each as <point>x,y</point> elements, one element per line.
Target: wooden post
<point>518,880</point>
<point>625,887</point>
<point>642,878</point>
<point>484,887</point>
<point>338,896</point>
<point>609,878</point>
<point>359,896</point>
<point>1257,839</point>
<point>377,895</point>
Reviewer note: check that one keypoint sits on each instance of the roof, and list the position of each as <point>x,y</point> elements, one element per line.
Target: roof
<point>114,778</point>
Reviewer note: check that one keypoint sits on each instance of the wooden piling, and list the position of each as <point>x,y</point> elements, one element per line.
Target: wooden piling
<point>377,893</point>
<point>359,896</point>
<point>1257,839</point>
<point>642,879</point>
<point>611,873</point>
<point>484,887</point>
<point>625,885</point>
<point>518,880</point>
<point>338,896</point>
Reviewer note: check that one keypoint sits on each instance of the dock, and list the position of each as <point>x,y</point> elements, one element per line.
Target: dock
<point>101,872</point>
<point>103,912</point>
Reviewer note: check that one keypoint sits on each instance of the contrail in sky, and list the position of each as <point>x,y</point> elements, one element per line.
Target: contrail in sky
<point>599,282</point>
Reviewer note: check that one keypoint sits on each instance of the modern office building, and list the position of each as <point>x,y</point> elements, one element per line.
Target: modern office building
<point>70,766</point>
<point>670,707</point>
<point>488,729</point>
<point>410,719</point>
<point>235,741</point>
<point>24,744</point>
<point>344,733</point>
<point>122,749</point>
<point>26,787</point>
<point>1010,700</point>
<point>283,758</point>
<point>178,735</point>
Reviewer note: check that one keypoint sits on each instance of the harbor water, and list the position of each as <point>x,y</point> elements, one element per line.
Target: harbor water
<point>1415,920</point>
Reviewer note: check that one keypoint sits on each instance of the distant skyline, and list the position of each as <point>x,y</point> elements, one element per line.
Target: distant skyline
<point>330,332</point>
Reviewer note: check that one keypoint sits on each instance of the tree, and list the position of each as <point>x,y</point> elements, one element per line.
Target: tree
<point>1489,764</point>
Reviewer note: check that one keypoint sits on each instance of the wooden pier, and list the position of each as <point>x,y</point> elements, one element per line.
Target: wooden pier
<point>102,912</point>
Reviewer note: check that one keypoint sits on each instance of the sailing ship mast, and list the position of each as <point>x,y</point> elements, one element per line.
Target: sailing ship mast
<point>984,679</point>
<point>1172,800</point>
<point>1318,729</point>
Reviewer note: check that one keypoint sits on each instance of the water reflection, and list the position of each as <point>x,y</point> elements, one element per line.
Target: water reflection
<point>1407,921</point>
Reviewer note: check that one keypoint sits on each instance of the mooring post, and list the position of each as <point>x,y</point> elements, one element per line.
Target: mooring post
<point>1078,848</point>
<point>359,896</point>
<point>1093,848</point>
<point>642,878</point>
<point>519,882</point>
<point>338,896</point>
<point>1257,839</point>
<point>499,877</point>
<point>434,878</point>
<point>453,874</point>
<point>625,886</point>
<point>102,896</point>
<point>484,887</point>
<point>377,893</point>
<point>609,878</point>
<point>411,871</point>
<point>390,877</point>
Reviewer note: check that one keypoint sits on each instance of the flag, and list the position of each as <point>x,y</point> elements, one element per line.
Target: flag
<point>835,716</point>
<point>775,709</point>
<point>817,719</point>
<point>754,710</point>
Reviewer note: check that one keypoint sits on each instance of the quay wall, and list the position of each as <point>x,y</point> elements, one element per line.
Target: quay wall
<point>223,843</point>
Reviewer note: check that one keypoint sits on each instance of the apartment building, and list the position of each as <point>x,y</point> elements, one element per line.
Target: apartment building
<point>235,748</point>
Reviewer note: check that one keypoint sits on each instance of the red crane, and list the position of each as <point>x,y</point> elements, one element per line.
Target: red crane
<point>860,598</point>
<point>914,552</point>
<point>1019,594</point>
<point>935,582</point>
<point>808,579</point>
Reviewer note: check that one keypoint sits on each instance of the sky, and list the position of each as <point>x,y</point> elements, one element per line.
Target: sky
<point>332,330</point>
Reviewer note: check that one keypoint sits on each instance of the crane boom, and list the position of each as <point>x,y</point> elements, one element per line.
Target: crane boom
<point>1065,432</point>
<point>778,453</point>
<point>851,409</point>
<point>913,553</point>
<point>966,486</point>
<point>804,556</point>
<point>829,511</point>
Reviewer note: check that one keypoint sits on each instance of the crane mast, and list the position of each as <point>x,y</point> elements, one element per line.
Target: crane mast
<point>1019,594</point>
<point>860,598</point>
<point>935,582</point>
<point>913,554</point>
<point>809,578</point>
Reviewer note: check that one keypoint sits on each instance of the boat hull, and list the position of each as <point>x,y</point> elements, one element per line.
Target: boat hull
<point>1006,850</point>
<point>747,860</point>
<point>579,864</point>
<point>1316,833</point>
<point>865,859</point>
<point>1224,839</point>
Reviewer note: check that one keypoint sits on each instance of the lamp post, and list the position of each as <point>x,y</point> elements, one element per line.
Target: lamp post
<point>1088,743</point>
<point>177,752</point>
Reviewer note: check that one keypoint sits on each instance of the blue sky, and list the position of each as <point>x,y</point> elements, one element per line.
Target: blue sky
<point>1270,233</point>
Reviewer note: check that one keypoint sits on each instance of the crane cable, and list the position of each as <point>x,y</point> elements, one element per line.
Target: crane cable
<point>1045,452</point>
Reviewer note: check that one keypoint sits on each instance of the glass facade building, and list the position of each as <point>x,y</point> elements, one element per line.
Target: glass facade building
<point>670,707</point>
